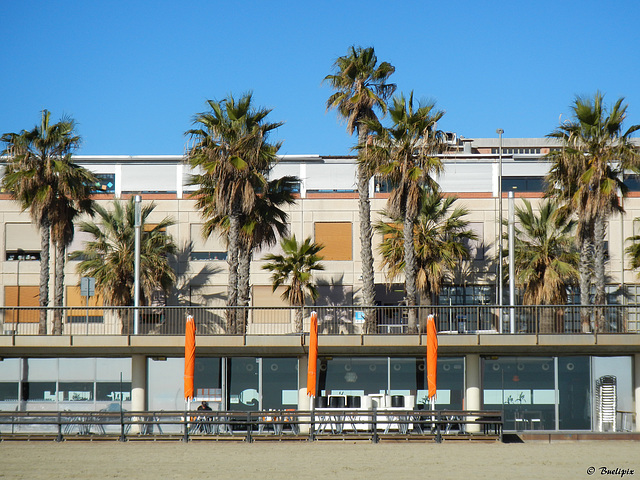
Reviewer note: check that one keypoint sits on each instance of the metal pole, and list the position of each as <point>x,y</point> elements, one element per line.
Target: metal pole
<point>136,285</point>
<point>500,131</point>
<point>512,268</point>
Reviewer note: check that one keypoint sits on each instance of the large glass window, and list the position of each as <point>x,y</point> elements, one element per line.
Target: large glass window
<point>279,383</point>
<point>524,388</point>
<point>353,376</point>
<point>574,393</point>
<point>243,384</point>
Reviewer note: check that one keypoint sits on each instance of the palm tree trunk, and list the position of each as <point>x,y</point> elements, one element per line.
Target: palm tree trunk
<point>598,268</point>
<point>585,281</point>
<point>410,274</point>
<point>244,271</point>
<point>366,252</point>
<point>45,238</point>
<point>232,261</point>
<point>58,300</point>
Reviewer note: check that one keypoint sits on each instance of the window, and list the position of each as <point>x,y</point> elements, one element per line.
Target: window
<point>336,238</point>
<point>106,183</point>
<point>22,242</point>
<point>22,296</point>
<point>523,184</point>
<point>83,314</point>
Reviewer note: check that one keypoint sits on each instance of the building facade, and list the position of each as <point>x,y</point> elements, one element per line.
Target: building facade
<point>542,381</point>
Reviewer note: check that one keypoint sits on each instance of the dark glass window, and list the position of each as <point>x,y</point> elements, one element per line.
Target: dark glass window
<point>206,256</point>
<point>8,391</point>
<point>574,393</point>
<point>75,391</point>
<point>524,388</point>
<point>523,184</point>
<point>279,383</point>
<point>113,391</point>
<point>106,183</point>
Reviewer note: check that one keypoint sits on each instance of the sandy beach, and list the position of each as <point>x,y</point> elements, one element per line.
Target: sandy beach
<point>320,460</point>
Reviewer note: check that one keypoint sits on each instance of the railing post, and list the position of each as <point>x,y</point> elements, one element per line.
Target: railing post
<point>438,428</point>
<point>60,438</point>
<point>312,425</point>
<point>249,439</point>
<point>185,437</point>
<point>123,437</point>
<point>374,425</point>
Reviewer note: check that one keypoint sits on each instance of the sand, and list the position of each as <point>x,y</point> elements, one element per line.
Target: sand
<point>319,460</point>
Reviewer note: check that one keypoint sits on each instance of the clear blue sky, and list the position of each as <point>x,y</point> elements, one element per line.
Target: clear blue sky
<point>134,73</point>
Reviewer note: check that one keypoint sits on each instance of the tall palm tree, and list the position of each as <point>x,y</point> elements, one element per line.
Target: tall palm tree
<point>262,227</point>
<point>295,269</point>
<point>441,240</point>
<point>361,88</point>
<point>109,258</point>
<point>546,257</point>
<point>41,177</point>
<point>586,175</point>
<point>232,152</point>
<point>407,154</point>
<point>75,186</point>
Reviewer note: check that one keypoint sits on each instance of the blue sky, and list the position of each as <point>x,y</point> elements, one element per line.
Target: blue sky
<point>134,73</point>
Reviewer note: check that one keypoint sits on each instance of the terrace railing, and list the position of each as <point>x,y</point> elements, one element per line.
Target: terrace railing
<point>332,320</point>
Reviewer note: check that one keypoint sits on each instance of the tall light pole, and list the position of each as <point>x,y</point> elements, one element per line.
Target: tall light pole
<point>136,273</point>
<point>500,132</point>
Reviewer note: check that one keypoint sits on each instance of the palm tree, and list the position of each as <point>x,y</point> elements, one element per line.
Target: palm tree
<point>633,250</point>
<point>295,268</point>
<point>109,258</point>
<point>232,152</point>
<point>41,177</point>
<point>586,175</point>
<point>361,88</point>
<point>407,154</point>
<point>546,257</point>
<point>440,237</point>
<point>75,186</point>
<point>262,227</point>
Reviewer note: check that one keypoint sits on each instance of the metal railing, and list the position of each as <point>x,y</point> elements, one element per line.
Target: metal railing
<point>312,425</point>
<point>336,320</point>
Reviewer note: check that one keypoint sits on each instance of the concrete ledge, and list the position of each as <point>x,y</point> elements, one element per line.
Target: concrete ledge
<point>454,340</point>
<point>6,341</point>
<point>157,340</point>
<point>339,340</point>
<point>100,340</point>
<point>274,340</point>
<point>621,339</point>
<point>391,340</point>
<point>507,340</point>
<point>557,340</point>
<point>47,341</point>
<point>218,341</point>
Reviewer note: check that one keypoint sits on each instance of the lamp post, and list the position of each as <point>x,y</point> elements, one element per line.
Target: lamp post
<point>136,282</point>
<point>500,132</point>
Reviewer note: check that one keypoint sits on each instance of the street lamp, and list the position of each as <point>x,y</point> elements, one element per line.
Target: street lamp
<point>136,282</point>
<point>500,132</point>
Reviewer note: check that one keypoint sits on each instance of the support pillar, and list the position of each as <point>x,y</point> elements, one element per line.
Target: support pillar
<point>636,387</point>
<point>138,386</point>
<point>304,402</point>
<point>472,388</point>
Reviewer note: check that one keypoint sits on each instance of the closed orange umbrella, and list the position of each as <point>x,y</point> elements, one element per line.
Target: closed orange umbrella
<point>432,356</point>
<point>189,356</point>
<point>313,355</point>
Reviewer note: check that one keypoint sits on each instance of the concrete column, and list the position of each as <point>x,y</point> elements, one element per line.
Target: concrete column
<point>472,393</point>
<point>304,402</point>
<point>138,386</point>
<point>636,386</point>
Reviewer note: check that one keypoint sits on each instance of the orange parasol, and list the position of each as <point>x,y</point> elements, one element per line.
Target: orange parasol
<point>189,356</point>
<point>432,356</point>
<point>313,355</point>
